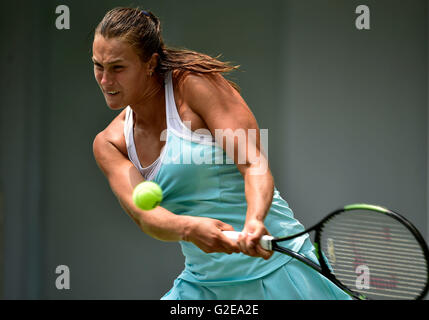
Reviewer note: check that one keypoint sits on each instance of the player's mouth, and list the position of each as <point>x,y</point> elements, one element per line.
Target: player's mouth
<point>112,93</point>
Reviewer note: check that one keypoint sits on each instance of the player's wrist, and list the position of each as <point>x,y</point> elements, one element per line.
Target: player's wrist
<point>253,220</point>
<point>254,226</point>
<point>187,227</point>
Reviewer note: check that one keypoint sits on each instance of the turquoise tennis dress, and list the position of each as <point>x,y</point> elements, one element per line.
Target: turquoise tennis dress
<point>199,179</point>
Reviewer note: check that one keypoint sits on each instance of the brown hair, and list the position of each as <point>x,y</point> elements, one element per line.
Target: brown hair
<point>142,30</point>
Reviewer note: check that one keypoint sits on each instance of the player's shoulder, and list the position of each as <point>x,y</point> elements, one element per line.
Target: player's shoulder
<point>194,82</point>
<point>113,134</point>
<point>196,89</point>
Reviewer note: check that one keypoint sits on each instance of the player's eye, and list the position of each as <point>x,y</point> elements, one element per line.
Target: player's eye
<point>98,66</point>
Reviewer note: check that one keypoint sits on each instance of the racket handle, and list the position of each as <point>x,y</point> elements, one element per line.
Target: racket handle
<point>265,241</point>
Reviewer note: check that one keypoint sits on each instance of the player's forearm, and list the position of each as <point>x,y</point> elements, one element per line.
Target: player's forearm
<point>158,223</point>
<point>259,190</point>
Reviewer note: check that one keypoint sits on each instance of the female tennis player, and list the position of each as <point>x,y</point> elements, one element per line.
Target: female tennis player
<point>175,103</point>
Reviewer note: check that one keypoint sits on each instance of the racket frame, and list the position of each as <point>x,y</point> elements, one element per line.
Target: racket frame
<point>324,269</point>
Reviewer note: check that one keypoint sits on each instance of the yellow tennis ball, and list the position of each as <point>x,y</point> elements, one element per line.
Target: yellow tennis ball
<point>147,195</point>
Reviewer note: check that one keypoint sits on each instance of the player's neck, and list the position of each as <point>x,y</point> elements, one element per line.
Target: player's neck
<point>150,112</point>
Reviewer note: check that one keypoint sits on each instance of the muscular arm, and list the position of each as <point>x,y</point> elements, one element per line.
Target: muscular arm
<point>123,177</point>
<point>158,223</point>
<point>222,108</point>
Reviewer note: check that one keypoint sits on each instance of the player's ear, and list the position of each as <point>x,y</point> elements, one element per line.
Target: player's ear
<point>153,63</point>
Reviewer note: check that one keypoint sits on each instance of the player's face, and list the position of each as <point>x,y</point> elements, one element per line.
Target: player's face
<point>119,72</point>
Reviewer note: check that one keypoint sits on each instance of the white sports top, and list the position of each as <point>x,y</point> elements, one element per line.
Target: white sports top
<point>174,123</point>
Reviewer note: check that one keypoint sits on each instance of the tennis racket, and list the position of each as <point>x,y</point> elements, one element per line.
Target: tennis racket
<point>368,251</point>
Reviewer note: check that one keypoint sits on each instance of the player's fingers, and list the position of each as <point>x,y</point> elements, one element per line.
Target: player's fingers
<point>230,246</point>
<point>253,247</point>
<point>254,238</point>
<point>251,244</point>
<point>224,226</point>
<point>241,242</point>
<point>265,254</point>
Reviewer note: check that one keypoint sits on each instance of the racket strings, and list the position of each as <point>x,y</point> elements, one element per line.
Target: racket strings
<point>374,254</point>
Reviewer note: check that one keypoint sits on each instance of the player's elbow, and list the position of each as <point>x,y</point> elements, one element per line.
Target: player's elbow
<point>97,144</point>
<point>100,149</point>
<point>259,167</point>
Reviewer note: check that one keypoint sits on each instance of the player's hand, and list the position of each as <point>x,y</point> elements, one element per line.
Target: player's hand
<point>248,240</point>
<point>207,235</point>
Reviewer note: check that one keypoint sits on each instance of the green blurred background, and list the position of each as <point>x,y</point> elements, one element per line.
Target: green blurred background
<point>346,109</point>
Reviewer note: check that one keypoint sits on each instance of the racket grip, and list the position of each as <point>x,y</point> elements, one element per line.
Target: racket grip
<point>265,241</point>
